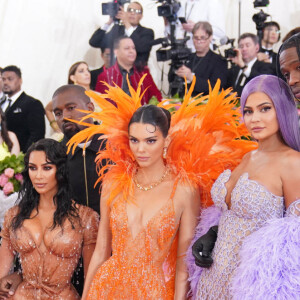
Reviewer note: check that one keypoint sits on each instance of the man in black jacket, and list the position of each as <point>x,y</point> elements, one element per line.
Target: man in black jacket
<point>141,36</point>
<point>204,63</point>
<point>246,65</point>
<point>81,165</point>
<point>24,114</point>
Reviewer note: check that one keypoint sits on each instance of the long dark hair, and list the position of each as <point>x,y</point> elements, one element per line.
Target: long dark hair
<point>151,114</point>
<point>4,131</point>
<point>56,154</point>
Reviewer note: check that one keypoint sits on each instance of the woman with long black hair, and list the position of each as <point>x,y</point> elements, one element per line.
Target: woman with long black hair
<point>47,229</point>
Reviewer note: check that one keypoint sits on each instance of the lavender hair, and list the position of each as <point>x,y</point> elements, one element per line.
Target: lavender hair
<point>283,100</point>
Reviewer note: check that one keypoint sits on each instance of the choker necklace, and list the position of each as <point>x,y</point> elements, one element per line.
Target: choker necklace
<point>152,185</point>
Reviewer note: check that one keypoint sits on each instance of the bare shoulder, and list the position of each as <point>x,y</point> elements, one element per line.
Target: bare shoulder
<point>290,163</point>
<point>290,159</point>
<point>187,194</point>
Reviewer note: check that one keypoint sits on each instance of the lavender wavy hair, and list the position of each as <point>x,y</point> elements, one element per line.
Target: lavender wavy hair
<point>283,100</point>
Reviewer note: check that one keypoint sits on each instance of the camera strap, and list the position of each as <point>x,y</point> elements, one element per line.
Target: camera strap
<point>195,66</point>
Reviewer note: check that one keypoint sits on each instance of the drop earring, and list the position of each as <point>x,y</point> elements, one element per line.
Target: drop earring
<point>165,153</point>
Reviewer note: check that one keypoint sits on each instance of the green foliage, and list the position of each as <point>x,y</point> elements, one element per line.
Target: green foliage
<point>14,162</point>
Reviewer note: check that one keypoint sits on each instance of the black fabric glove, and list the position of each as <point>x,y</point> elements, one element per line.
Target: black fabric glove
<point>203,247</point>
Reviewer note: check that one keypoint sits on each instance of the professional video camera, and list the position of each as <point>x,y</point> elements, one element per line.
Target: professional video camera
<point>172,49</point>
<point>178,54</point>
<point>112,8</point>
<point>168,9</point>
<point>260,18</point>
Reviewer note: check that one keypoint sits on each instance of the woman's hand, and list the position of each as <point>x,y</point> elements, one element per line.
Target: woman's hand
<point>9,284</point>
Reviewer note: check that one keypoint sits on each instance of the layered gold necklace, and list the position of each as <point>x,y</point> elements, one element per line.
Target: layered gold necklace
<point>153,184</point>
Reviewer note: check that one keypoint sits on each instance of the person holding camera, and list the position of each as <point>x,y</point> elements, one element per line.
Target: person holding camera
<point>204,63</point>
<point>271,35</point>
<point>245,63</point>
<point>192,11</point>
<point>129,25</point>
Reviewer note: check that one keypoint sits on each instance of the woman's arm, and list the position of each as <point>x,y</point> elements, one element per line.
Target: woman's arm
<point>290,177</point>
<point>6,257</point>
<point>16,146</point>
<point>190,201</point>
<point>50,117</point>
<point>103,246</point>
<point>91,221</point>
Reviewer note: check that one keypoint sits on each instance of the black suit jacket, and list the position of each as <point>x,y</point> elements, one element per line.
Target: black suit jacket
<point>258,68</point>
<point>274,59</point>
<point>211,67</point>
<point>94,75</point>
<point>26,119</point>
<point>141,36</point>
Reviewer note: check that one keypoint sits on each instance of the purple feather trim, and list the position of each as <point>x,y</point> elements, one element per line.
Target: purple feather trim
<point>208,218</point>
<point>270,262</point>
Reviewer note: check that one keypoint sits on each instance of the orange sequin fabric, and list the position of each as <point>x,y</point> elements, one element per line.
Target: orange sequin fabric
<point>141,267</point>
<point>47,274</point>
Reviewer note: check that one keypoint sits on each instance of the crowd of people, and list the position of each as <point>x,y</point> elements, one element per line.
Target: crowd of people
<point>111,210</point>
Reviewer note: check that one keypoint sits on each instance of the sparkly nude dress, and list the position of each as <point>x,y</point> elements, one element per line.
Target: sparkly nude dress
<point>47,274</point>
<point>140,267</point>
<point>251,206</point>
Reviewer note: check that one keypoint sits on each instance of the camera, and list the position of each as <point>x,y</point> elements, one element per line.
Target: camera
<point>260,18</point>
<point>261,3</point>
<point>168,9</point>
<point>230,53</point>
<point>112,8</point>
<point>178,53</point>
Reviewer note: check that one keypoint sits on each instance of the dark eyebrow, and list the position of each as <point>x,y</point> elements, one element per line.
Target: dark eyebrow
<point>47,163</point>
<point>67,104</point>
<point>148,138</point>
<point>259,104</point>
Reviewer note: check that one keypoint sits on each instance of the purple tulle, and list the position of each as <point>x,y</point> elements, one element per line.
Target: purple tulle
<point>208,218</point>
<point>270,262</point>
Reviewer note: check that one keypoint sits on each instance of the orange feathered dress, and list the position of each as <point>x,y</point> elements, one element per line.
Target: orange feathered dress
<point>205,140</point>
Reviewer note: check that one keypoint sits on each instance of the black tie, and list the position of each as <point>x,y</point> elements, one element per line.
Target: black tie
<point>9,104</point>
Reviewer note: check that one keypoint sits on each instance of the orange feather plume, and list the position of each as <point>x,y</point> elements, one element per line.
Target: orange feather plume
<point>205,137</point>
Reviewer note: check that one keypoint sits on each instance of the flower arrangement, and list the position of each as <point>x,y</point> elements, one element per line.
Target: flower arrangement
<point>10,173</point>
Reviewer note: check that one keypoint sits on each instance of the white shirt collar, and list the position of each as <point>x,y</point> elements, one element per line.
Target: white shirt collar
<point>251,62</point>
<point>81,145</point>
<point>15,97</point>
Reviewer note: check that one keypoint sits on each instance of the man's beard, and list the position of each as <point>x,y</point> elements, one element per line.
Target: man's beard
<point>72,131</point>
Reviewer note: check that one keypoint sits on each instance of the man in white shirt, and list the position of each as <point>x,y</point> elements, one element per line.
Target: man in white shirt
<point>194,11</point>
<point>24,114</point>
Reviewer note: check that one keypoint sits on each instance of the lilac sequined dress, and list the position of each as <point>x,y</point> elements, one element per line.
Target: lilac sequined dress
<point>251,206</point>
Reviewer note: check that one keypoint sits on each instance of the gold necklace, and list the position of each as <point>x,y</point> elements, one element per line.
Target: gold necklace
<point>152,185</point>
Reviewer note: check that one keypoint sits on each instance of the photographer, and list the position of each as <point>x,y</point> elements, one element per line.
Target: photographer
<point>204,64</point>
<point>245,63</point>
<point>271,35</point>
<point>141,36</point>
<point>192,11</point>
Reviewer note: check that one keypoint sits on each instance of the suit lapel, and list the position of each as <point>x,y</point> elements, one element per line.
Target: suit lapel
<point>16,103</point>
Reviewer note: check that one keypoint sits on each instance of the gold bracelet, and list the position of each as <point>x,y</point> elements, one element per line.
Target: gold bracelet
<point>53,121</point>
